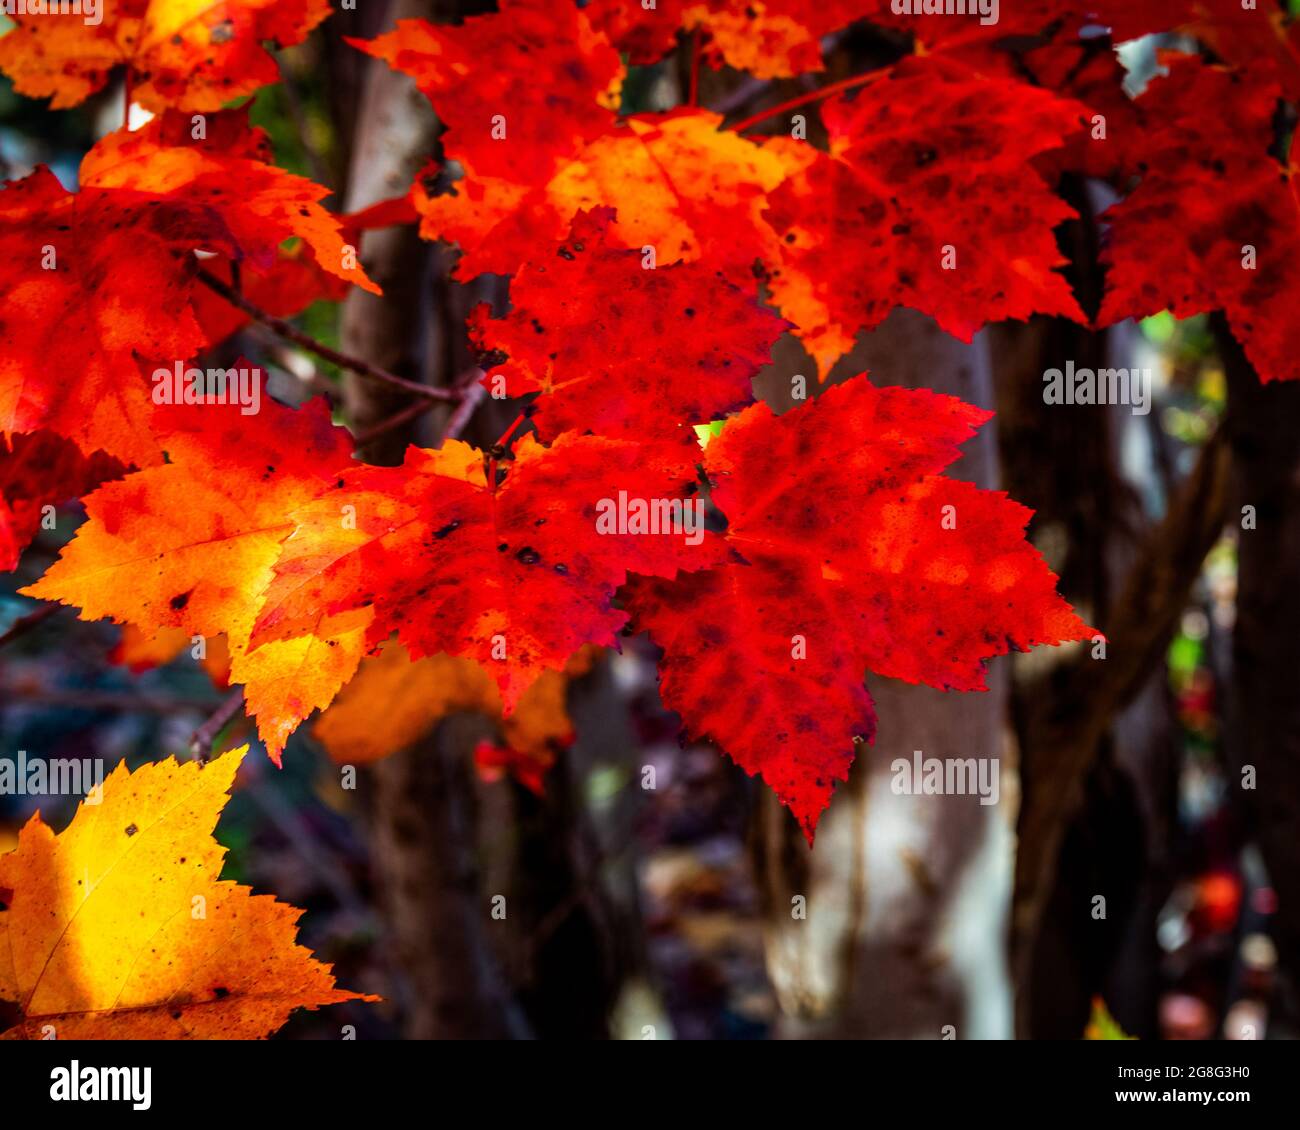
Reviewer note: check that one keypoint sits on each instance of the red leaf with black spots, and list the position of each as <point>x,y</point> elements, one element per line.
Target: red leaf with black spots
<point>517,579</point>
<point>622,347</point>
<point>929,180</point>
<point>861,557</point>
<point>1215,221</point>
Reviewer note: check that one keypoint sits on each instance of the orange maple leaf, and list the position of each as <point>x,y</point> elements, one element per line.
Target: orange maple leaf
<point>190,545</point>
<point>191,54</point>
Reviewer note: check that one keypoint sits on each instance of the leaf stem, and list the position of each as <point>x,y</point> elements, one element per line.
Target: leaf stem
<point>811,96</point>
<point>290,332</point>
<point>511,430</point>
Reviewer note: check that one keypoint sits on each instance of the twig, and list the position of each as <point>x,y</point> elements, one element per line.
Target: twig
<point>25,624</point>
<point>471,395</point>
<point>474,395</point>
<point>411,412</point>
<point>206,735</point>
<point>290,332</point>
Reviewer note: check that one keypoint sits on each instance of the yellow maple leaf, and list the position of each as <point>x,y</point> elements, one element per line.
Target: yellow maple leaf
<point>119,928</point>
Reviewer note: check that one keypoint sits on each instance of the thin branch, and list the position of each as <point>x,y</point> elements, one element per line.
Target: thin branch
<point>469,392</point>
<point>25,624</point>
<point>290,332</point>
<point>474,395</point>
<point>412,411</point>
<point>1138,630</point>
<point>206,735</point>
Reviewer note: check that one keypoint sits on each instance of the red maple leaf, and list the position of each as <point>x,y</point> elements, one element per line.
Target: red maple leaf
<point>861,557</point>
<point>767,38</point>
<point>225,175</point>
<point>101,282</point>
<point>37,471</point>
<point>517,579</point>
<point>95,284</point>
<point>928,178</point>
<point>1215,221</point>
<point>622,347</point>
<point>678,182</point>
<point>553,84</point>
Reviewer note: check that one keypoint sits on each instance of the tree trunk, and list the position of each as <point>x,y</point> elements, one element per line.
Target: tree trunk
<point>424,809</point>
<point>907,896</point>
<point>1265,701</point>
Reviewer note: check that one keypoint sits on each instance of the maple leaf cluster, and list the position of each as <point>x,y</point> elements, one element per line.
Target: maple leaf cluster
<point>655,259</point>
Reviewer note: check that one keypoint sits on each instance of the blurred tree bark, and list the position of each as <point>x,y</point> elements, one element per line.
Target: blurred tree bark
<point>1265,701</point>
<point>907,896</point>
<point>444,845</point>
<point>424,805</point>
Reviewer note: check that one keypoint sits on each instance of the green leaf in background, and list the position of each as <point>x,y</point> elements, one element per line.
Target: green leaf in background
<point>1102,1026</point>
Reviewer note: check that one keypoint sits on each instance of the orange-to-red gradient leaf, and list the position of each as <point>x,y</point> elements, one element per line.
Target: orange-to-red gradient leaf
<point>518,580</point>
<point>678,183</point>
<point>190,54</point>
<point>190,545</point>
<point>225,174</point>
